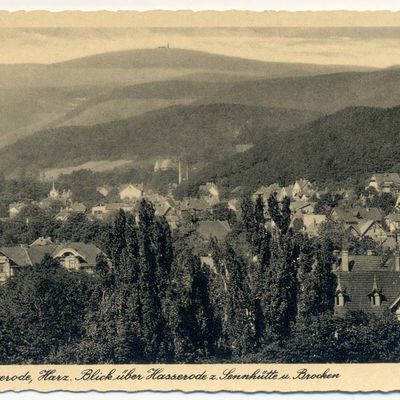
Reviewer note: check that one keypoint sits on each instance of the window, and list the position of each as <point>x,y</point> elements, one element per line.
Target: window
<point>339,300</point>
<point>3,262</point>
<point>376,299</point>
<point>71,262</point>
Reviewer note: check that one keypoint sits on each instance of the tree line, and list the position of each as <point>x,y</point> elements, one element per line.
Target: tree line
<point>268,298</point>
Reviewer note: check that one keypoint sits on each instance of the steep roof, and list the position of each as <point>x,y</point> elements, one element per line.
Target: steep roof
<point>17,254</point>
<point>364,226</point>
<point>358,285</point>
<point>131,185</point>
<point>366,273</point>
<point>23,256</point>
<point>300,204</point>
<point>354,215</point>
<point>368,263</point>
<point>387,177</point>
<point>394,217</point>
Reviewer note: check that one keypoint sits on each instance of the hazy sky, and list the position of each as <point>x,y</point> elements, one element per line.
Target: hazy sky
<point>361,46</point>
<point>200,4</point>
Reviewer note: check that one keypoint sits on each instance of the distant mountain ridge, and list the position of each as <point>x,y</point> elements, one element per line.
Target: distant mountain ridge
<point>39,96</point>
<point>194,59</point>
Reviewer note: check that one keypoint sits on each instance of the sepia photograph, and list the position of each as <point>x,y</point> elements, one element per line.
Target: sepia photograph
<point>199,188</point>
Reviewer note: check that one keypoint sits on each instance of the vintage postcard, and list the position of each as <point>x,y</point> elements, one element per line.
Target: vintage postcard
<point>200,201</point>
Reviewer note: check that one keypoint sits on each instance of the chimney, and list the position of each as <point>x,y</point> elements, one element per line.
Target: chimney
<point>345,260</point>
<point>397,261</point>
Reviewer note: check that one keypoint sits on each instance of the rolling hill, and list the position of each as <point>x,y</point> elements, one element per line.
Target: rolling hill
<point>200,133</point>
<point>323,93</point>
<point>36,96</point>
<point>345,146</point>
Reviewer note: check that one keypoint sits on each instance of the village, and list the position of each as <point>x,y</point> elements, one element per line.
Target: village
<point>365,226</point>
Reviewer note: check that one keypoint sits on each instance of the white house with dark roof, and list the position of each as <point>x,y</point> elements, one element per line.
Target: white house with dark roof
<point>131,192</point>
<point>73,256</point>
<point>385,182</point>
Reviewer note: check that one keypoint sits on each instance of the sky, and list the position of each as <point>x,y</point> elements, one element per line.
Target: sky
<point>256,5</point>
<point>377,47</point>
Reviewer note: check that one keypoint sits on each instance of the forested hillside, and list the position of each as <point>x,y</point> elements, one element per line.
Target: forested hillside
<point>323,93</point>
<point>198,133</point>
<point>347,145</point>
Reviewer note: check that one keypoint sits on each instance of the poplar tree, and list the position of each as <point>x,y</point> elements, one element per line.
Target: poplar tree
<point>191,316</point>
<point>154,330</point>
<point>240,324</point>
<point>248,217</point>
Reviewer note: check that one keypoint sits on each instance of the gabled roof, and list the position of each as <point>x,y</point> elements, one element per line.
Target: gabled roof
<point>387,177</point>
<point>310,220</point>
<point>394,217</point>
<point>17,254</point>
<point>369,263</point>
<point>24,256</point>
<point>300,204</point>
<point>131,185</point>
<point>363,227</point>
<point>41,241</point>
<point>77,207</point>
<point>354,215</point>
<point>303,183</point>
<point>358,286</point>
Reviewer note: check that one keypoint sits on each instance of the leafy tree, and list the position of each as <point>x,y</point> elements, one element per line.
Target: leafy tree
<point>42,310</point>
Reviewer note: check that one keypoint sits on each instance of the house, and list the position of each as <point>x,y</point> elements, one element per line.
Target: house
<point>310,222</point>
<point>15,208</point>
<point>369,228</point>
<point>167,210</point>
<point>392,222</point>
<point>104,190</point>
<point>234,205</point>
<point>213,229</point>
<point>385,183</point>
<point>208,261</point>
<point>353,216</point>
<point>73,256</point>
<point>368,283</point>
<point>131,192</point>
<point>197,208</point>
<point>55,194</point>
<point>73,208</point>
<point>302,190</point>
<point>302,207</point>
<point>102,210</point>
<point>210,192</point>
<point>286,191</point>
<point>42,241</point>
<point>165,165</point>
<point>62,215</point>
